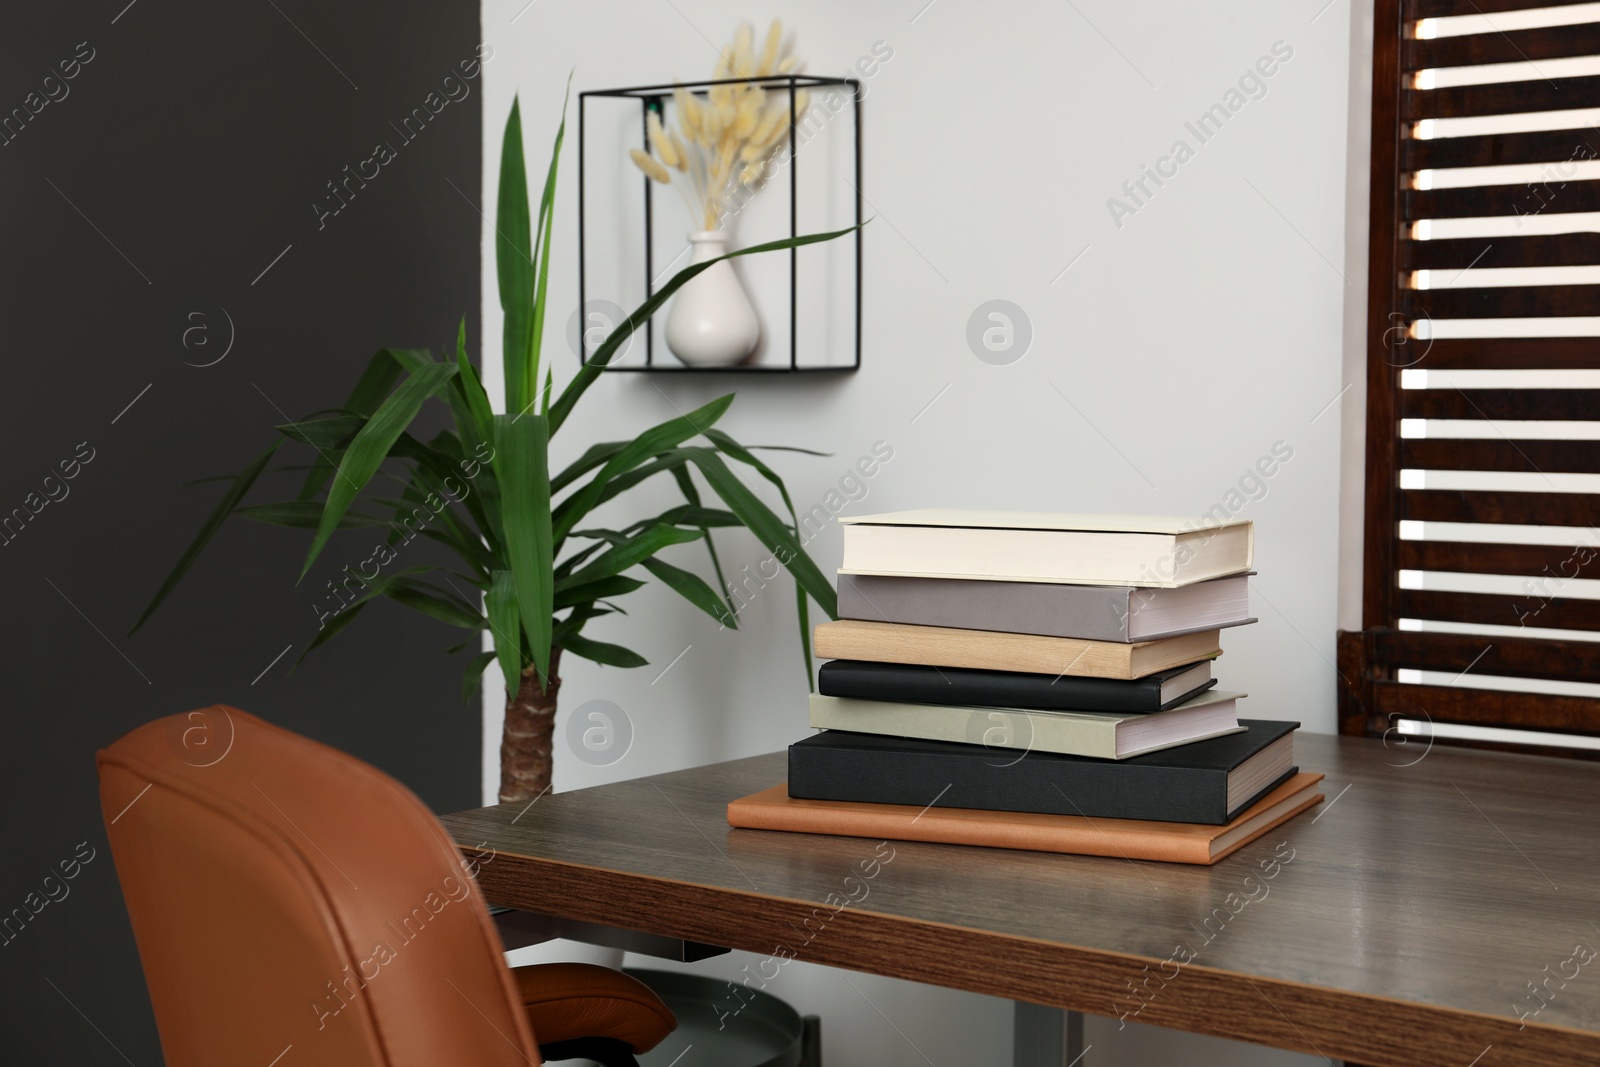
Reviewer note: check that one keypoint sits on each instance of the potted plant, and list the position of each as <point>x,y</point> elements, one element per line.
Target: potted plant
<point>484,489</point>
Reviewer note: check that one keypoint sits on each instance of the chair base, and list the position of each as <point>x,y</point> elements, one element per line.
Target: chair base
<point>606,1051</point>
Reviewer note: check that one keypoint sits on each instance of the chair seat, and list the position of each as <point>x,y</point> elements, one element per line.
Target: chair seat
<point>566,1001</point>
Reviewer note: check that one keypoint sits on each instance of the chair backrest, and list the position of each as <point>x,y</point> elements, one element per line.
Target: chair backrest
<point>295,906</point>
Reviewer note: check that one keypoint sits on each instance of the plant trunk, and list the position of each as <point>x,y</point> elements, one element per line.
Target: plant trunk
<point>527,741</point>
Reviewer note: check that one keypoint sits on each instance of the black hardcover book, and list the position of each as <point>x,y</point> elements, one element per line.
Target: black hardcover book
<point>1207,782</point>
<point>915,684</point>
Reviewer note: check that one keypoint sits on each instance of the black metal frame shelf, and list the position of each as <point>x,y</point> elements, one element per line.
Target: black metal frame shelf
<point>651,98</point>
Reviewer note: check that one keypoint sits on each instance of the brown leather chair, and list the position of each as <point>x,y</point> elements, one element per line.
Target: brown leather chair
<point>295,907</point>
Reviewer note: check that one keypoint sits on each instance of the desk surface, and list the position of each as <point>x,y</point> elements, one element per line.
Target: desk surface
<point>1422,913</point>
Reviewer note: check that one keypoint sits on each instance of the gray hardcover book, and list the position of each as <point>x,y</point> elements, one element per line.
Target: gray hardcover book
<point>1087,612</point>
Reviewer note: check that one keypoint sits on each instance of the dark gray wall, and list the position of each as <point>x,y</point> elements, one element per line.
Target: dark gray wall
<point>171,170</point>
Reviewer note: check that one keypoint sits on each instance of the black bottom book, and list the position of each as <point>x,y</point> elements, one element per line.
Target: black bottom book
<point>916,684</point>
<point>1208,782</point>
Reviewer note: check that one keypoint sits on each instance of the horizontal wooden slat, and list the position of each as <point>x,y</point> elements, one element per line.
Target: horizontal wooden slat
<point>1529,509</point>
<point>1498,454</point>
<point>1543,561</point>
<point>1430,9</point>
<point>1518,657</point>
<point>1512,46</point>
<point>1503,353</point>
<point>1521,404</point>
<point>1499,98</point>
<point>1459,253</point>
<point>1530,609</point>
<point>1507,302</point>
<point>1552,198</point>
<point>1542,146</point>
<point>1479,707</point>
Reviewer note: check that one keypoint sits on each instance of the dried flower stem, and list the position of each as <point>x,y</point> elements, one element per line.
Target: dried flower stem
<point>724,143</point>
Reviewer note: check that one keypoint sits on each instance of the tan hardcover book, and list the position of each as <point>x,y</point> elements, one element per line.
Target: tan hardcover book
<point>990,650</point>
<point>1159,551</point>
<point>1136,839</point>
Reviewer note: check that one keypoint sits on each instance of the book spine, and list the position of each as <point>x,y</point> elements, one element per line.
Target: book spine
<point>994,689</point>
<point>1002,554</point>
<point>897,825</point>
<point>938,646</point>
<point>1086,612</point>
<point>996,729</point>
<point>995,779</point>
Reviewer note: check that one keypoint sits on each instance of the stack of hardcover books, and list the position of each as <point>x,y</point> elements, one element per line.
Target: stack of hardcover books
<point>1037,681</point>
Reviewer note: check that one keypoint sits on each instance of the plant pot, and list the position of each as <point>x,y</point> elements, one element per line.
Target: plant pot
<point>712,322</point>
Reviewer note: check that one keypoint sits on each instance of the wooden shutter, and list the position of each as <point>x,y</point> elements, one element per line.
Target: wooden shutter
<point>1513,484</point>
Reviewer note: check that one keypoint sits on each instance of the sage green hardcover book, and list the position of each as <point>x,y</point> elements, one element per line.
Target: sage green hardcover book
<point>1099,735</point>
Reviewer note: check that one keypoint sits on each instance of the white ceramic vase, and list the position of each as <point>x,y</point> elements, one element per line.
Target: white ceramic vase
<point>712,322</point>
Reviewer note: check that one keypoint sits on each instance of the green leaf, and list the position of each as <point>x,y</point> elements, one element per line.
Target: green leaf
<point>513,254</point>
<point>303,515</point>
<point>211,479</point>
<point>569,627</point>
<point>591,458</point>
<point>647,445</point>
<point>737,451</point>
<point>439,518</point>
<point>482,563</point>
<point>435,603</point>
<point>623,482</point>
<point>616,585</point>
<point>767,527</point>
<point>230,500</point>
<point>479,415</point>
<point>692,495</point>
<point>547,218</point>
<point>472,676</point>
<point>694,515</point>
<point>568,565</point>
<point>442,467</point>
<point>590,372</point>
<point>332,628</point>
<point>788,448</point>
<point>372,444</point>
<point>802,610</point>
<point>506,627</point>
<point>380,375</point>
<point>693,589</point>
<point>521,458</point>
<point>602,653</point>
<point>410,359</point>
<point>348,612</point>
<point>469,405</point>
<point>629,552</point>
<point>331,433</point>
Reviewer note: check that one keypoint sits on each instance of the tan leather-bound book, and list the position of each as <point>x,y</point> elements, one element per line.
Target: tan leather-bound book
<point>1169,842</point>
<point>942,646</point>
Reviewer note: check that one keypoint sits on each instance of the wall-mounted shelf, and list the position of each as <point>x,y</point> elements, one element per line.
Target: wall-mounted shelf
<point>805,128</point>
<point>754,368</point>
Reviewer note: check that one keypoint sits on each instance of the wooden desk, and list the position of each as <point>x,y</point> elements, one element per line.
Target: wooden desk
<point>1409,917</point>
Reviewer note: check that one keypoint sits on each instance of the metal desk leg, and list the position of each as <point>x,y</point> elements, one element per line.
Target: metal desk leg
<point>1046,1037</point>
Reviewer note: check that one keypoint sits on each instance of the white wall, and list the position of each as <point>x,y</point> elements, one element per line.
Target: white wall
<point>1176,351</point>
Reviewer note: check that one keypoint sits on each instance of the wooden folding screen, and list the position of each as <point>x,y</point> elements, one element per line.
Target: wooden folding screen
<point>1429,312</point>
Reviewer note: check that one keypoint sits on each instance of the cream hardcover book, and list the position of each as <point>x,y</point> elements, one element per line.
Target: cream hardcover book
<point>1157,551</point>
